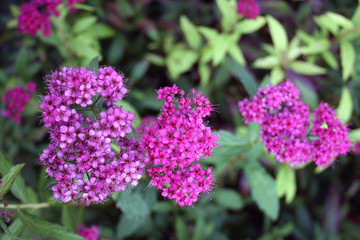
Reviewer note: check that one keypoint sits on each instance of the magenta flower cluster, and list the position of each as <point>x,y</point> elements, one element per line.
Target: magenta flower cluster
<point>248,9</point>
<point>16,99</point>
<point>35,15</point>
<point>91,233</point>
<point>176,142</point>
<point>80,155</point>
<point>285,122</point>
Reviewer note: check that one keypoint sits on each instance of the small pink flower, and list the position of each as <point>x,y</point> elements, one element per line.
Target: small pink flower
<point>91,233</point>
<point>248,8</point>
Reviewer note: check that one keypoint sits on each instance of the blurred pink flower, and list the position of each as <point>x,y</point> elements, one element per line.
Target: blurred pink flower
<point>248,9</point>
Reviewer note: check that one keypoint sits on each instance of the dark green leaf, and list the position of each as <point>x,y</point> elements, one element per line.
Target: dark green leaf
<point>94,65</point>
<point>71,217</point>
<point>16,228</point>
<point>46,229</point>
<point>228,199</point>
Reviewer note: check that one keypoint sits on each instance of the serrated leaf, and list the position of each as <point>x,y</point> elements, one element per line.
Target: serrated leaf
<point>286,183</point>
<point>84,23</point>
<point>228,199</point>
<point>268,62</point>
<point>190,31</point>
<point>16,228</point>
<point>18,187</point>
<point>245,78</point>
<point>345,108</point>
<point>306,68</point>
<point>278,33</point>
<point>247,26</point>
<point>263,188</point>
<point>6,230</point>
<point>9,178</point>
<point>348,57</point>
<point>135,211</point>
<point>46,229</point>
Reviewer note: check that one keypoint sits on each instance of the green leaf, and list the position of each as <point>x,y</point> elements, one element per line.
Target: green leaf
<point>130,108</point>
<point>84,24</point>
<point>278,33</point>
<point>46,229</point>
<point>330,59</point>
<point>6,229</point>
<point>135,212</point>
<point>236,53</point>
<point>339,20</point>
<point>268,62</point>
<point>16,229</point>
<point>228,199</point>
<point>263,188</point>
<point>247,26</point>
<point>310,97</point>
<point>345,107</point>
<point>348,56</point>
<point>307,68</point>
<point>326,23</point>
<point>316,47</point>
<point>182,231</point>
<point>204,73</point>
<point>245,78</point>
<point>221,45</point>
<point>286,183</point>
<point>354,135</point>
<point>71,217</point>
<point>228,12</point>
<point>18,187</point>
<point>192,35</point>
<point>9,178</point>
<point>139,70</point>
<point>94,65</point>
<point>179,61</point>
<point>277,75</point>
<point>155,59</point>
<point>104,31</point>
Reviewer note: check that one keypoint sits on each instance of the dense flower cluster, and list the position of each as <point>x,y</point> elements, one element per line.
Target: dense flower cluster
<point>285,122</point>
<point>80,156</point>
<point>91,233</point>
<point>16,99</point>
<point>35,15</point>
<point>248,9</point>
<point>176,142</point>
<point>3,212</point>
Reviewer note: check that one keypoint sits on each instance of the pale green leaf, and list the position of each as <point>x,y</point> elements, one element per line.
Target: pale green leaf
<point>316,47</point>
<point>339,20</point>
<point>277,75</point>
<point>155,59</point>
<point>46,229</point>
<point>228,12</point>
<point>345,107</point>
<point>228,199</point>
<point>263,188</point>
<point>286,183</point>
<point>179,61</point>
<point>348,57</point>
<point>247,26</point>
<point>104,31</point>
<point>325,22</point>
<point>221,46</point>
<point>235,52</point>
<point>354,135</point>
<point>84,23</point>
<point>330,59</point>
<point>278,33</point>
<point>267,62</point>
<point>307,68</point>
<point>192,35</point>
<point>204,73</point>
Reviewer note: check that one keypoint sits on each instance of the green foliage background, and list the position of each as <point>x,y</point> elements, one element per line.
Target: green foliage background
<point>206,45</point>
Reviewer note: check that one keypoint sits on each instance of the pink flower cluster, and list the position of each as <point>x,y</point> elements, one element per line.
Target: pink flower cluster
<point>91,233</point>
<point>285,122</point>
<point>176,142</point>
<point>80,156</point>
<point>16,99</point>
<point>248,9</point>
<point>35,15</point>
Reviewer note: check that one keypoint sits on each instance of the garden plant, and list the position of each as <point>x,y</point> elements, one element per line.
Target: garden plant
<point>159,119</point>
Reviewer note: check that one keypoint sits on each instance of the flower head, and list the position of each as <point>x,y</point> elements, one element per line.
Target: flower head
<point>80,155</point>
<point>176,142</point>
<point>248,8</point>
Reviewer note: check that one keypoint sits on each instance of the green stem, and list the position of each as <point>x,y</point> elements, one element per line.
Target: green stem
<point>26,205</point>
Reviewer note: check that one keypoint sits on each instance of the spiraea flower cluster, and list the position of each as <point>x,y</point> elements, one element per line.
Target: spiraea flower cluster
<point>91,233</point>
<point>285,122</point>
<point>16,99</point>
<point>175,142</point>
<point>80,156</point>
<point>248,9</point>
<point>35,15</point>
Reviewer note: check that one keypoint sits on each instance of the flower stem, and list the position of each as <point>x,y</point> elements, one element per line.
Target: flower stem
<point>26,205</point>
